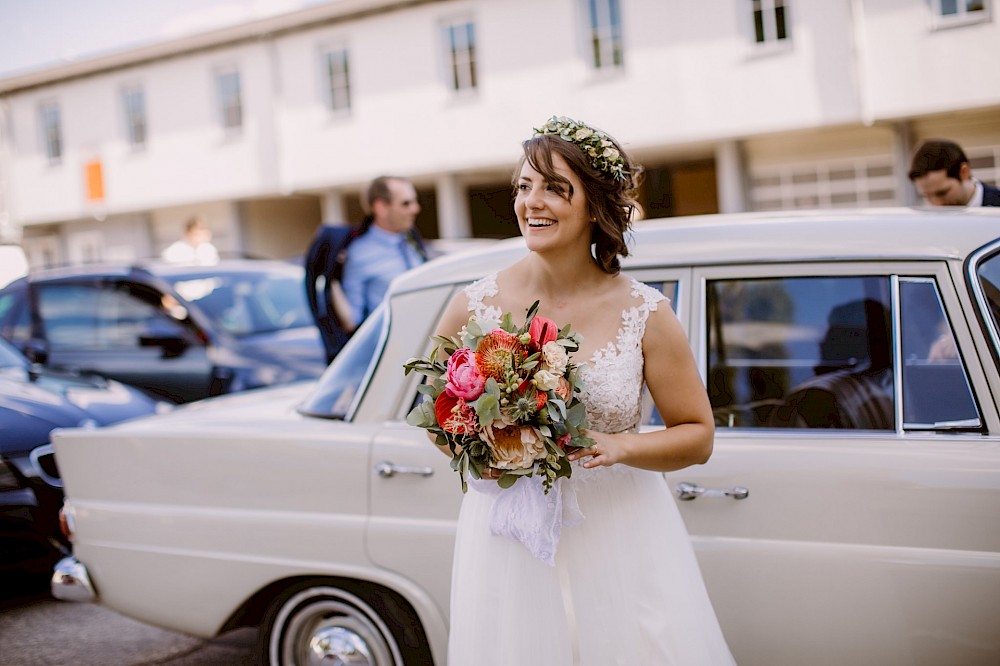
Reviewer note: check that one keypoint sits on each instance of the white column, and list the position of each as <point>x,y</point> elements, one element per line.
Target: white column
<point>454,217</point>
<point>332,207</point>
<point>902,152</point>
<point>731,177</point>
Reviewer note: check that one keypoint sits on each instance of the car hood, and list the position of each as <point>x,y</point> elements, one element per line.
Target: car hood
<point>34,402</point>
<point>226,413</point>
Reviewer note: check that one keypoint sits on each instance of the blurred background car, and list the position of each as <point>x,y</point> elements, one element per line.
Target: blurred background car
<point>33,401</point>
<point>181,332</point>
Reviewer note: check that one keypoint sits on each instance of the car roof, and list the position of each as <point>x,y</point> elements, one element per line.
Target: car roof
<point>767,237</point>
<point>158,268</point>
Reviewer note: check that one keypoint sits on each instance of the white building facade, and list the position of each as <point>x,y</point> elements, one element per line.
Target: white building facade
<point>271,127</point>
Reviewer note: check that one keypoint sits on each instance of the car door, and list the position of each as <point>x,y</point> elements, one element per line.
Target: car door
<point>415,495</point>
<point>833,534</point>
<point>119,328</point>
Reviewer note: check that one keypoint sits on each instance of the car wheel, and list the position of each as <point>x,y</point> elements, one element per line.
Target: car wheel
<point>319,624</point>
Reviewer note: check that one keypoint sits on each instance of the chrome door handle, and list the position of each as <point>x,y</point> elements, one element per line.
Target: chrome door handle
<point>689,491</point>
<point>387,470</point>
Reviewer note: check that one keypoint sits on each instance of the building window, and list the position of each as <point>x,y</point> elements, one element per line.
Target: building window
<point>461,37</point>
<point>959,8</point>
<point>836,184</point>
<point>134,102</point>
<point>51,131</point>
<point>605,33</point>
<point>338,80</point>
<point>770,21</point>
<point>952,13</point>
<point>230,102</point>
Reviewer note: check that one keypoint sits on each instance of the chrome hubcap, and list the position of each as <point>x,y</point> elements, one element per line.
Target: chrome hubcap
<point>338,646</point>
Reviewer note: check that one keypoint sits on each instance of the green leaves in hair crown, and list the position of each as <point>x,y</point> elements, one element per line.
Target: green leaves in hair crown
<point>597,145</point>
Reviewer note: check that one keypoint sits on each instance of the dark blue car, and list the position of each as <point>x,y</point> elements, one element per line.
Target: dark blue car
<point>34,401</point>
<point>179,332</point>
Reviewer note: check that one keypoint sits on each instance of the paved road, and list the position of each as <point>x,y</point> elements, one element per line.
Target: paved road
<point>36,630</point>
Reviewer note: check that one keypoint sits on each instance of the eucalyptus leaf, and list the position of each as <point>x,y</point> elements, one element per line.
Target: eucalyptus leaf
<point>506,480</point>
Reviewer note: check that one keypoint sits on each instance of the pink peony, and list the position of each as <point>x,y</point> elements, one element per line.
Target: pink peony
<point>464,378</point>
<point>542,330</point>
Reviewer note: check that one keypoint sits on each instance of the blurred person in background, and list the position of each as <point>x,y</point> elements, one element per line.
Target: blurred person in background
<point>195,246</point>
<point>324,264</point>
<point>940,171</point>
<point>387,244</point>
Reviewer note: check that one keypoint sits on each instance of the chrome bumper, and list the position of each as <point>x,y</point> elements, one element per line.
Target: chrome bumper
<point>71,582</point>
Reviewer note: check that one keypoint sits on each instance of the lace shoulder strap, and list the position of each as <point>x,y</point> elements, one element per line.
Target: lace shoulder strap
<point>650,297</point>
<point>479,290</point>
<point>634,319</point>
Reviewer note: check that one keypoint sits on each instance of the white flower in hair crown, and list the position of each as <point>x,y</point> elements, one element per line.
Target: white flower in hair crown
<point>597,145</point>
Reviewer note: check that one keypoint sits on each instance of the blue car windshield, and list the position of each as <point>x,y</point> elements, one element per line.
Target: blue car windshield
<point>10,357</point>
<point>339,386</point>
<point>249,303</point>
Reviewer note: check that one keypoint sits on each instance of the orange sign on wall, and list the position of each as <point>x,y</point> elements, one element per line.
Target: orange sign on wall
<point>95,180</point>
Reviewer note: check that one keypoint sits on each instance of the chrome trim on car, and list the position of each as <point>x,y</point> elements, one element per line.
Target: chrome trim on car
<point>38,452</point>
<point>897,351</point>
<point>71,581</point>
<point>972,266</point>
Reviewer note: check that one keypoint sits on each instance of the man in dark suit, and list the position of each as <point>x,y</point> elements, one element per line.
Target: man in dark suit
<point>940,171</point>
<point>323,264</point>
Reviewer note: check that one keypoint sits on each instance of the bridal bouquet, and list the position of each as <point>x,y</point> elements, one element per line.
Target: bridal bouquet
<point>504,398</point>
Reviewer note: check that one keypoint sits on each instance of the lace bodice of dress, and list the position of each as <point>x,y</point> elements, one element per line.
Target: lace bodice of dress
<point>613,376</point>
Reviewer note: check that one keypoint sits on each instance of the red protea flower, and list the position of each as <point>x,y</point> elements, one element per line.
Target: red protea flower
<point>498,352</point>
<point>455,415</point>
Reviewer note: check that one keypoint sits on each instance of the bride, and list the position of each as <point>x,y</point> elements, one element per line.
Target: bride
<point>623,586</point>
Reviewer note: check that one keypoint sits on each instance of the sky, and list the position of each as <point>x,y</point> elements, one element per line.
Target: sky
<point>40,33</point>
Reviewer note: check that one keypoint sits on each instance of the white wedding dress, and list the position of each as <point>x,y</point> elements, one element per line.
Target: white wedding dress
<point>624,588</point>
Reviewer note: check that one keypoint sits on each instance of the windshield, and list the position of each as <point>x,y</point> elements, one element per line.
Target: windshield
<point>249,302</point>
<point>10,357</point>
<point>342,381</point>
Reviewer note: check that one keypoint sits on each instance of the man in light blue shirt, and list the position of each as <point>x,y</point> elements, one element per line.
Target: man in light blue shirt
<point>386,248</point>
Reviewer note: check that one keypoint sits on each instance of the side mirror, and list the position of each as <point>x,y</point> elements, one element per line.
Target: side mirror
<point>172,344</point>
<point>36,351</point>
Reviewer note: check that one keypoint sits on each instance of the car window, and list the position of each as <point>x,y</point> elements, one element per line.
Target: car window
<point>86,317</point>
<point>339,386</point>
<point>249,303</point>
<point>15,320</point>
<point>988,278</point>
<point>936,391</point>
<point>818,352</point>
<point>801,352</point>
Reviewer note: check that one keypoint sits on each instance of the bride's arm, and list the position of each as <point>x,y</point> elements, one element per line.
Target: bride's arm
<point>679,394</point>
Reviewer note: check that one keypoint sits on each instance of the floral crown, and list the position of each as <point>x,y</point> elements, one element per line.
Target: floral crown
<point>597,145</point>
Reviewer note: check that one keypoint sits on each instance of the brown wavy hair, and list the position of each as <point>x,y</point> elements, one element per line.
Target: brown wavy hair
<point>612,202</point>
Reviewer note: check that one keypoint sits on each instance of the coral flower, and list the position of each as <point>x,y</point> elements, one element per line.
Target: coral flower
<point>499,352</point>
<point>455,415</point>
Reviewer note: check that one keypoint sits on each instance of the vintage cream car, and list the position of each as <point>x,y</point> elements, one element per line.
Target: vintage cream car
<point>849,514</point>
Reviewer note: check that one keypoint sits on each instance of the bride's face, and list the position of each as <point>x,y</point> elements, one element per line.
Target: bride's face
<point>551,215</point>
